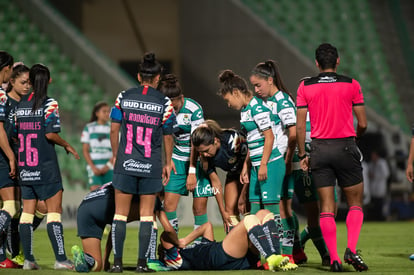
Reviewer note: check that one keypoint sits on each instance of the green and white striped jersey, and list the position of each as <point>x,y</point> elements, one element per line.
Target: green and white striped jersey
<point>256,118</point>
<point>189,118</point>
<point>284,109</point>
<point>97,136</point>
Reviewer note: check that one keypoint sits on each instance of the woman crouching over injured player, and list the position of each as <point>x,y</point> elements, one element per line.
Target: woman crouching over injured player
<point>238,250</point>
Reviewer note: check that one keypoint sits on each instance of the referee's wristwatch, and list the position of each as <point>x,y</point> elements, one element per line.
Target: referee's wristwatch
<point>302,157</point>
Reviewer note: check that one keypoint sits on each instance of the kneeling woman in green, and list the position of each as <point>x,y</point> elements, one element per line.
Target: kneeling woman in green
<point>267,164</point>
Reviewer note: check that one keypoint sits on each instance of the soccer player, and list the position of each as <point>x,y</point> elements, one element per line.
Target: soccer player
<point>94,213</point>
<point>145,117</point>
<point>96,146</point>
<point>268,84</point>
<point>409,172</point>
<point>38,125</point>
<point>186,174</point>
<point>254,231</point>
<point>8,184</point>
<point>330,99</point>
<point>226,149</point>
<point>268,166</point>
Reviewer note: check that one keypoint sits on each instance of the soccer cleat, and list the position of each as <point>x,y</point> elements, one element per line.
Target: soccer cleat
<point>355,259</point>
<point>19,259</point>
<point>276,261</point>
<point>326,260</point>
<point>8,264</point>
<point>64,265</point>
<point>116,269</point>
<point>412,257</point>
<point>289,267</point>
<point>79,259</point>
<point>299,256</point>
<point>144,269</point>
<point>29,265</point>
<point>157,265</point>
<point>336,267</point>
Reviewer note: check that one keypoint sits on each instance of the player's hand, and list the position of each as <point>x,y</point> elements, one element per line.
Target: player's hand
<point>13,168</point>
<point>70,149</point>
<point>104,170</point>
<point>181,243</point>
<point>262,175</point>
<point>166,171</point>
<point>409,173</point>
<point>226,220</point>
<point>244,175</point>
<point>242,204</point>
<point>173,167</point>
<point>96,171</point>
<point>191,182</point>
<point>304,164</point>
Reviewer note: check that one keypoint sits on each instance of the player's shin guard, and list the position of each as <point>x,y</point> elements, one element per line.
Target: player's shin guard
<point>118,237</point>
<point>315,234</point>
<point>354,222</point>
<point>288,236</point>
<point>55,232</point>
<point>38,218</point>
<point>26,235</point>
<point>172,219</point>
<point>145,227</point>
<point>258,237</point>
<point>328,228</point>
<point>198,221</point>
<point>152,248</point>
<point>13,237</point>
<point>270,224</point>
<point>6,214</point>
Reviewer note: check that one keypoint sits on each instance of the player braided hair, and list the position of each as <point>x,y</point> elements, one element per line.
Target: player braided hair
<point>39,76</point>
<point>17,71</point>
<point>326,55</point>
<point>230,82</point>
<point>96,109</point>
<point>170,86</point>
<point>268,69</point>
<point>206,133</point>
<point>5,60</point>
<point>149,67</point>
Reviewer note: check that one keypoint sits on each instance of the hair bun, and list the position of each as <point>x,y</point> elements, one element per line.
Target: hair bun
<point>170,79</point>
<point>149,58</point>
<point>226,75</point>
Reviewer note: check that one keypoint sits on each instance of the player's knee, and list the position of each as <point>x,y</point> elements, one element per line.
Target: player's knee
<point>251,221</point>
<point>262,213</point>
<point>10,207</point>
<point>268,217</point>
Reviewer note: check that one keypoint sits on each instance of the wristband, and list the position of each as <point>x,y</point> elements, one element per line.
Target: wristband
<point>302,157</point>
<point>109,164</point>
<point>191,170</point>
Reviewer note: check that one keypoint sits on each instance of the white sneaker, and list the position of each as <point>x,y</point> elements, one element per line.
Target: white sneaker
<point>65,265</point>
<point>29,265</point>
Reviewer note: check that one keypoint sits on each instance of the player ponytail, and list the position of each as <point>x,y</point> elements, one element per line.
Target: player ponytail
<point>206,133</point>
<point>39,76</point>
<point>149,68</point>
<point>268,69</point>
<point>5,60</point>
<point>230,82</point>
<point>170,86</point>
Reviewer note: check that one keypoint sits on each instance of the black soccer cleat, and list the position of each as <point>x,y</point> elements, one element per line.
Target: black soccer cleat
<point>336,267</point>
<point>355,259</point>
<point>116,269</point>
<point>144,269</point>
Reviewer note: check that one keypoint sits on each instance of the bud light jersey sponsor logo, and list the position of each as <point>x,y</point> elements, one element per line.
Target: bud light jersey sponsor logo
<point>142,106</point>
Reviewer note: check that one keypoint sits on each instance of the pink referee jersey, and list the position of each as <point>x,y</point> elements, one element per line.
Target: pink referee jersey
<point>329,98</point>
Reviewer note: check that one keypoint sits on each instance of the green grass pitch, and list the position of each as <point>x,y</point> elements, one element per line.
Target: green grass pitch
<point>385,248</point>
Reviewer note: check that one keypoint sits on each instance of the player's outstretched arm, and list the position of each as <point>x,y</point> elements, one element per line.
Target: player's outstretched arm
<point>56,139</point>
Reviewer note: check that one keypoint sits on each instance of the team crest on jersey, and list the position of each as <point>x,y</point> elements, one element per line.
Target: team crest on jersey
<point>232,160</point>
<point>186,119</point>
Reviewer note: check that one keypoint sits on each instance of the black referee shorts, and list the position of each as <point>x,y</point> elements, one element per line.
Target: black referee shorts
<point>335,159</point>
